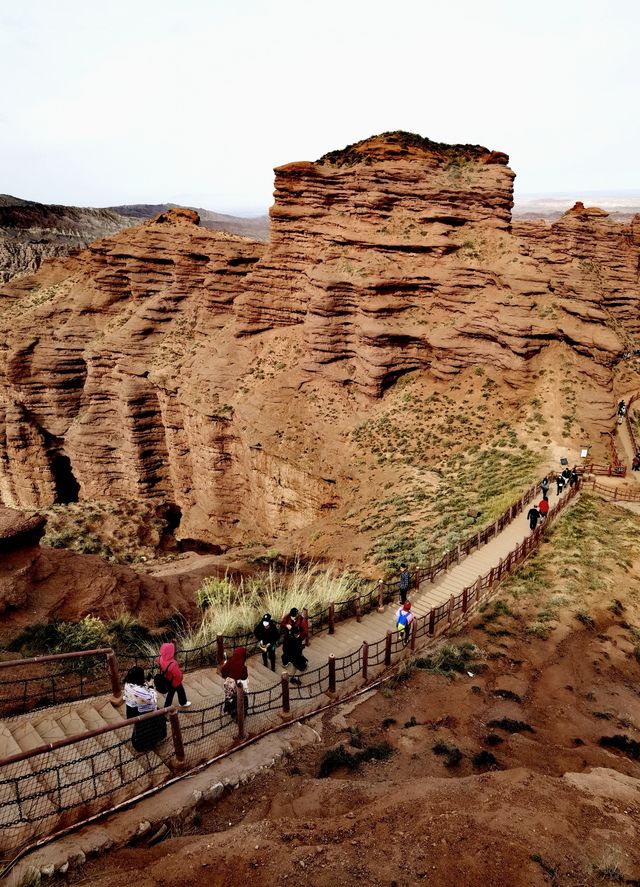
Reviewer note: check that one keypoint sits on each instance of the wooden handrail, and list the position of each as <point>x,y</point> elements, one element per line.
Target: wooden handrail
<point>54,657</point>
<point>89,734</point>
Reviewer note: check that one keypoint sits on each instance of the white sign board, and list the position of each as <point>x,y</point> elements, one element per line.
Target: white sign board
<point>584,452</point>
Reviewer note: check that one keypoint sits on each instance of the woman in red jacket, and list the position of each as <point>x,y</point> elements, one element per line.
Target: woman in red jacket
<point>543,506</point>
<point>234,671</point>
<point>173,673</point>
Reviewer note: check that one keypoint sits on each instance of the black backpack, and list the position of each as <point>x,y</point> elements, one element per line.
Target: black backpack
<point>160,681</point>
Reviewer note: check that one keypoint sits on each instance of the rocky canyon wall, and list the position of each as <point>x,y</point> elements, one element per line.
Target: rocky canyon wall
<point>167,362</point>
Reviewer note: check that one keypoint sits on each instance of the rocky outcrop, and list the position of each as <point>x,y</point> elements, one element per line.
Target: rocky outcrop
<point>172,363</point>
<point>397,254</point>
<point>32,232</point>
<point>592,264</point>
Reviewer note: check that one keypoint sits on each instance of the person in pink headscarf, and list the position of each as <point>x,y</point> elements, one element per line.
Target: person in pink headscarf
<point>173,674</point>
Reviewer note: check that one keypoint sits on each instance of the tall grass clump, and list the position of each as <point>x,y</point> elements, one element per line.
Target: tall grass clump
<point>232,609</point>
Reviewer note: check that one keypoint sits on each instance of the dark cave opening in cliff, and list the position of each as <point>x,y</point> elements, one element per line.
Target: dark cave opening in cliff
<point>67,487</point>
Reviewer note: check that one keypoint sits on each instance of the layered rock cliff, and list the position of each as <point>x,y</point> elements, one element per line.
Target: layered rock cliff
<point>224,376</point>
<point>31,232</point>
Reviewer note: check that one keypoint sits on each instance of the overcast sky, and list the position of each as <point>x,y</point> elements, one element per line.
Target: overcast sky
<point>195,101</point>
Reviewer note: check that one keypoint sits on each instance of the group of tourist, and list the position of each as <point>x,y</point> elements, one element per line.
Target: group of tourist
<point>141,694</point>
<point>565,479</point>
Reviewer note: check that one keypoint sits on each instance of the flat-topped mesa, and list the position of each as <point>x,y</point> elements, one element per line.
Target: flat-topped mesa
<point>391,201</point>
<point>395,173</point>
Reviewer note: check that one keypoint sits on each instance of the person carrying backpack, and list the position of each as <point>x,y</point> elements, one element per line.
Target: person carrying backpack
<point>533,516</point>
<point>170,676</point>
<point>267,634</point>
<point>404,618</point>
<point>140,699</point>
<point>405,582</point>
<point>234,671</point>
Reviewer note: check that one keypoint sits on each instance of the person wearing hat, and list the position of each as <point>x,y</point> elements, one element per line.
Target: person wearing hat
<point>404,618</point>
<point>293,659</point>
<point>267,634</point>
<point>294,620</point>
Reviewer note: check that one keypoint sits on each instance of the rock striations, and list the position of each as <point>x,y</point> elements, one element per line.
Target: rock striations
<point>139,367</point>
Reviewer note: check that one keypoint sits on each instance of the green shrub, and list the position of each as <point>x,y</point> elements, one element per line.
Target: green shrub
<point>511,726</point>
<point>484,759</point>
<point>630,747</point>
<point>448,658</point>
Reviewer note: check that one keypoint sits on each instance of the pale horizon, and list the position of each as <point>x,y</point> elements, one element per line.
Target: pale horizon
<point>151,103</point>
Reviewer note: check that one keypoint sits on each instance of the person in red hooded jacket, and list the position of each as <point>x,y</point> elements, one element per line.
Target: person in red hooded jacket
<point>543,506</point>
<point>173,673</point>
<point>234,671</point>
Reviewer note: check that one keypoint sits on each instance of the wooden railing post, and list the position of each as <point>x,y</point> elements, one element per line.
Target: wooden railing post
<point>387,649</point>
<point>450,611</point>
<point>465,599</point>
<point>380,596</point>
<point>458,553</point>
<point>479,587</point>
<point>240,708</point>
<point>332,673</point>
<point>492,573</point>
<point>358,610</point>
<point>114,677</point>
<point>414,634</point>
<point>219,650</point>
<point>332,618</point>
<point>176,735</point>
<point>432,621</point>
<point>284,685</point>
<point>365,660</point>
<point>305,622</point>
<point>432,571</point>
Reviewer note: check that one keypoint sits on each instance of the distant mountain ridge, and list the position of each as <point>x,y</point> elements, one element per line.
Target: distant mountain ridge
<point>31,232</point>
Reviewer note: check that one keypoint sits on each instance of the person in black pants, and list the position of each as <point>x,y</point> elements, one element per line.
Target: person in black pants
<point>267,634</point>
<point>405,582</point>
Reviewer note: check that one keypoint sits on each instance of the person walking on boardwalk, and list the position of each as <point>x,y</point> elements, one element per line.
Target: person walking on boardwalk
<point>404,618</point>
<point>234,671</point>
<point>140,699</point>
<point>543,507</point>
<point>533,516</point>
<point>294,620</point>
<point>566,476</point>
<point>405,582</point>
<point>559,484</point>
<point>172,673</point>
<point>544,486</point>
<point>573,477</point>
<point>267,634</point>
<point>293,658</point>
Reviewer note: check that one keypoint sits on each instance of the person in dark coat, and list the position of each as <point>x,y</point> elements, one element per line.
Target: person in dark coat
<point>544,486</point>
<point>234,671</point>
<point>533,516</point>
<point>573,478</point>
<point>405,582</point>
<point>559,484</point>
<point>294,620</point>
<point>267,634</point>
<point>293,658</point>
<point>566,476</point>
<point>140,699</point>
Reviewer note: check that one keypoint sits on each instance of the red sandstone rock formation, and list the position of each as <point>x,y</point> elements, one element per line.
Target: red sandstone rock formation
<point>167,362</point>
